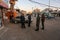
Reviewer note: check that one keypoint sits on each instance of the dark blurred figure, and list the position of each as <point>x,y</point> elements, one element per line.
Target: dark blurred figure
<point>29,20</point>
<point>22,19</point>
<point>1,23</point>
<point>37,22</point>
<point>11,17</point>
<point>59,14</point>
<point>42,20</point>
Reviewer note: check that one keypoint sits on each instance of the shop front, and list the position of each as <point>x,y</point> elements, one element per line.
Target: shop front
<point>3,6</point>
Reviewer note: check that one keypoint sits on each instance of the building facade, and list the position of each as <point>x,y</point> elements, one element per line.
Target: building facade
<point>3,5</point>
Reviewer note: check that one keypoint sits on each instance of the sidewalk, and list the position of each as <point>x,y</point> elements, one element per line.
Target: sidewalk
<point>1,28</point>
<point>15,32</point>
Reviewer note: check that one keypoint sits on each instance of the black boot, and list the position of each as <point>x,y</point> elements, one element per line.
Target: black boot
<point>28,25</point>
<point>42,28</point>
<point>24,26</point>
<point>37,29</point>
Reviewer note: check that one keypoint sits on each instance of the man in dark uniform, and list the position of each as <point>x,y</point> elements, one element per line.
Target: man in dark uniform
<point>22,19</point>
<point>29,20</point>
<point>37,22</point>
<point>11,16</point>
<point>43,20</point>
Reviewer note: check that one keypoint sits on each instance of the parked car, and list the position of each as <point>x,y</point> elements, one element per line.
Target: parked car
<point>26,19</point>
<point>48,15</point>
<point>17,19</point>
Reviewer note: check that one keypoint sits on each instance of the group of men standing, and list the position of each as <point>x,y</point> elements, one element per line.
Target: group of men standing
<point>38,21</point>
<point>22,19</point>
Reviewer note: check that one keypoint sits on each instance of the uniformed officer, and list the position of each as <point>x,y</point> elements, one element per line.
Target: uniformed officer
<point>29,20</point>
<point>22,19</point>
<point>37,22</point>
<point>42,20</point>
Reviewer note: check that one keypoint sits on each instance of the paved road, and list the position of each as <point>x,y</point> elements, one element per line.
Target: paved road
<point>15,32</point>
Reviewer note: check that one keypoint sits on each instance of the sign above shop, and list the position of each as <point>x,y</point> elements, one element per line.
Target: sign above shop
<point>3,4</point>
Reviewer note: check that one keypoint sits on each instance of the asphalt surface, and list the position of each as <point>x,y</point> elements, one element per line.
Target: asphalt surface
<point>15,32</point>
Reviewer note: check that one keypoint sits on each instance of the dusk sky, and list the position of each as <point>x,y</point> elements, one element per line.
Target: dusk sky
<point>27,5</point>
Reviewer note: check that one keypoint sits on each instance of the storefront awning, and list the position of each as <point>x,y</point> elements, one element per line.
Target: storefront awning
<point>3,4</point>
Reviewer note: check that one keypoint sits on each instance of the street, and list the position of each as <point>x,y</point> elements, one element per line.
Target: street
<point>15,32</point>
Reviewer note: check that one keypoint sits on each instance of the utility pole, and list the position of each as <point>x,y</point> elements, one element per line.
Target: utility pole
<point>49,3</point>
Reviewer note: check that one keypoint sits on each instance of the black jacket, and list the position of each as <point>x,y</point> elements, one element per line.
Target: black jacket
<point>22,18</point>
<point>29,17</point>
